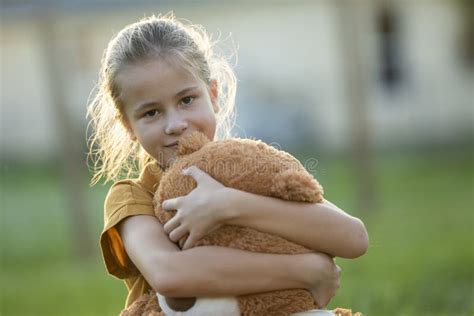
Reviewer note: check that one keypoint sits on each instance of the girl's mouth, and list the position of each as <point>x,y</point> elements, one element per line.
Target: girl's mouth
<point>172,145</point>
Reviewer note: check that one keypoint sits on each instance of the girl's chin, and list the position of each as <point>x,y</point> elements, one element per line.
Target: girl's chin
<point>167,161</point>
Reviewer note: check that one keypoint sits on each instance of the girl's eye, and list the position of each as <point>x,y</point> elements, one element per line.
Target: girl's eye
<point>187,100</point>
<point>151,113</point>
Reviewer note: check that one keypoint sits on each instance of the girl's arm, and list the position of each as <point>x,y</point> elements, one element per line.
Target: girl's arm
<point>319,226</point>
<point>200,271</point>
<point>322,227</point>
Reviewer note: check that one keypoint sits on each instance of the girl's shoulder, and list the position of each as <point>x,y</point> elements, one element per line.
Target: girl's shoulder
<point>134,191</point>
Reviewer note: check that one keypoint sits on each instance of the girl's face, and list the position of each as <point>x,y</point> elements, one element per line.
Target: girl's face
<point>162,103</point>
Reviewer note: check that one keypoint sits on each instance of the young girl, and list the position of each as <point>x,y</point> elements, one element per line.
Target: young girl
<point>160,81</point>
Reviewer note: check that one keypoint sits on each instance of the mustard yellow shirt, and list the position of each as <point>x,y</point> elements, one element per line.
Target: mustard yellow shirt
<point>127,198</point>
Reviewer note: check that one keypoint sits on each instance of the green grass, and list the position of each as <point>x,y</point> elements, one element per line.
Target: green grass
<point>420,259</point>
<point>40,273</point>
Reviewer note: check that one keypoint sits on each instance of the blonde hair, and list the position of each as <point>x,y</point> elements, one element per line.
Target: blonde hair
<point>112,154</point>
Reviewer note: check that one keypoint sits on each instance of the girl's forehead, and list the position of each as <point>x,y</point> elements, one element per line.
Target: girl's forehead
<point>154,79</point>
<point>163,69</point>
<point>165,63</point>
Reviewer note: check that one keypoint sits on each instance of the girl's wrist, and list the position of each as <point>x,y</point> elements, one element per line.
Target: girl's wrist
<point>290,271</point>
<point>304,271</point>
<point>299,270</point>
<point>231,200</point>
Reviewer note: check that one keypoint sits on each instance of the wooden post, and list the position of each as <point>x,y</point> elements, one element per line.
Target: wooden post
<point>70,154</point>
<point>356,77</point>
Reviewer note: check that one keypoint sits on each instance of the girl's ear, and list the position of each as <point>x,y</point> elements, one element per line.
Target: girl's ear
<point>213,93</point>
<point>127,126</point>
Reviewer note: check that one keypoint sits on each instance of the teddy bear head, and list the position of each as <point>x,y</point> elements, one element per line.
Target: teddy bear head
<point>244,164</point>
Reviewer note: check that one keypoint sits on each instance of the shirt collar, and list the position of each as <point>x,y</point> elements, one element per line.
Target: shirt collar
<point>150,176</point>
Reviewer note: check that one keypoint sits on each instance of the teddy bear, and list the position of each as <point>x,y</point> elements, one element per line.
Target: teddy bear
<point>251,166</point>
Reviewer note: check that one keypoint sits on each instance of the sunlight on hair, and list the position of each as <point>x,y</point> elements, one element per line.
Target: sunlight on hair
<point>112,154</point>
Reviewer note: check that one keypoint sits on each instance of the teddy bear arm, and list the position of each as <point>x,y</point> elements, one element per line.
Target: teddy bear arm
<point>283,302</point>
<point>345,312</point>
<point>146,304</point>
<point>298,186</point>
<point>249,239</point>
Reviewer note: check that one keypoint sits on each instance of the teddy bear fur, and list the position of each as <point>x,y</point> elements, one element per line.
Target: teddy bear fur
<point>251,166</point>
<point>345,312</point>
<point>147,305</point>
<point>255,167</point>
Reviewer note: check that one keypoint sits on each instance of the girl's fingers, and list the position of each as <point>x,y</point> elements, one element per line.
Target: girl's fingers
<point>189,242</point>
<point>318,306</point>
<point>171,204</point>
<point>171,225</point>
<point>196,173</point>
<point>182,241</point>
<point>323,303</point>
<point>177,234</point>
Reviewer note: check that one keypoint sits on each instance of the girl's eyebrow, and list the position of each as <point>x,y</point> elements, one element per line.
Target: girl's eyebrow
<point>181,93</point>
<point>185,91</point>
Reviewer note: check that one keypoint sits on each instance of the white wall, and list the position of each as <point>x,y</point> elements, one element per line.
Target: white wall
<point>289,55</point>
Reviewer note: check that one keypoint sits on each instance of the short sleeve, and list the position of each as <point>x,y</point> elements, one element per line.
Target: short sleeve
<point>125,198</point>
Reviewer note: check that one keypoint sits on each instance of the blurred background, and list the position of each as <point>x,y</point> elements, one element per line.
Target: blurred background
<point>374,97</point>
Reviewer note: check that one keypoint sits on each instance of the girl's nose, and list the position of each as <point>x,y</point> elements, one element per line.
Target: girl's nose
<point>176,124</point>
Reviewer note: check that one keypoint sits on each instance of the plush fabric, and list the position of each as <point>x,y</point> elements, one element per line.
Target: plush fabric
<point>254,167</point>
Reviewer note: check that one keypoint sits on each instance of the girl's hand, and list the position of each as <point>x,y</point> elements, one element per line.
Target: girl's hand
<point>322,278</point>
<point>198,213</point>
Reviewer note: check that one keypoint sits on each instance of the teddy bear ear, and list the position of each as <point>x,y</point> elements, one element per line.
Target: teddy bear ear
<point>191,143</point>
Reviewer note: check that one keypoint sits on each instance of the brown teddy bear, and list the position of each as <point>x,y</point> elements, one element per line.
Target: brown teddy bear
<point>250,166</point>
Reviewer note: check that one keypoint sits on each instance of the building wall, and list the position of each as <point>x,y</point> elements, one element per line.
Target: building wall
<point>289,69</point>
